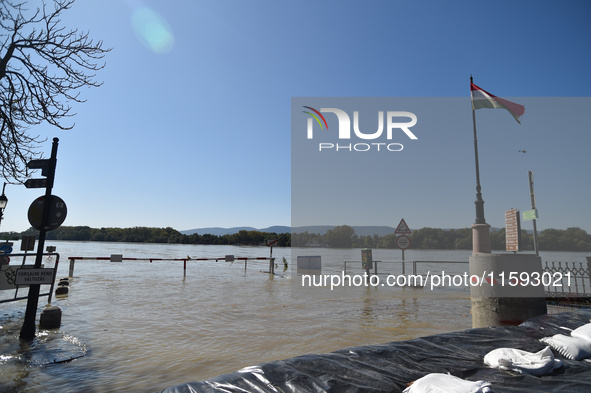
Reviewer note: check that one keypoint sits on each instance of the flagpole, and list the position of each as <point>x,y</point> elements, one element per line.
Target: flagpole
<point>480,229</point>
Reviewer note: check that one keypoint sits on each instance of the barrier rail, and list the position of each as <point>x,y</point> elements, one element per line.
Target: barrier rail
<point>573,279</point>
<point>11,275</point>
<point>119,258</point>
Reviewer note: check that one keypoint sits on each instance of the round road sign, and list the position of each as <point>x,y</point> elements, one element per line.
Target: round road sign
<point>57,213</point>
<point>5,248</point>
<point>403,242</point>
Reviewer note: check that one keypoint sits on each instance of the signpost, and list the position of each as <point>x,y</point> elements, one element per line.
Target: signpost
<point>402,241</point>
<point>47,216</point>
<point>512,230</point>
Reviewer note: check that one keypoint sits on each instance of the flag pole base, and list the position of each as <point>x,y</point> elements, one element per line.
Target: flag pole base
<point>480,239</point>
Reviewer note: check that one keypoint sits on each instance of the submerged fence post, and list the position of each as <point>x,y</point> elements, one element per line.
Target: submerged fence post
<point>71,271</point>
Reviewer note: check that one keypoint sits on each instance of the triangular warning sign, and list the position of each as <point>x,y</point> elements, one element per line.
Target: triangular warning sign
<point>402,228</point>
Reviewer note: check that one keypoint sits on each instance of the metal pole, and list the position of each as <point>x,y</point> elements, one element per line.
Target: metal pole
<point>57,261</point>
<point>71,271</point>
<point>533,206</point>
<point>479,201</point>
<point>28,329</point>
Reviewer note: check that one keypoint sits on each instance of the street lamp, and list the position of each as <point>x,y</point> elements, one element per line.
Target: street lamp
<point>3,202</point>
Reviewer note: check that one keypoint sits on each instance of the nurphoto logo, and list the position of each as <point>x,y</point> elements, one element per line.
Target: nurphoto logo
<point>395,121</point>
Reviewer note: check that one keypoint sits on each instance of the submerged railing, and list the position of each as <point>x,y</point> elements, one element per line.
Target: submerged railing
<point>120,258</point>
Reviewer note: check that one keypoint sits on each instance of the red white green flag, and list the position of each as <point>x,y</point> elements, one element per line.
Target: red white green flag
<point>483,99</point>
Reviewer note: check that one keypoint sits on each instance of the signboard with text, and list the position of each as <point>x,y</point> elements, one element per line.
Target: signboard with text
<point>512,230</point>
<point>34,276</point>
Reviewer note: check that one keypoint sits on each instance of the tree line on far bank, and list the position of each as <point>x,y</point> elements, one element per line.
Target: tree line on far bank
<point>155,235</point>
<point>571,239</point>
<point>344,236</point>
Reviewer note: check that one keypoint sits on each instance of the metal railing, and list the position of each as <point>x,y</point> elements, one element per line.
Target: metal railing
<point>565,279</point>
<point>568,279</point>
<point>120,258</point>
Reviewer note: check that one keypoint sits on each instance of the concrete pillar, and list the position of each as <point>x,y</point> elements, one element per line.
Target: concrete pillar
<point>51,318</point>
<point>480,239</point>
<point>498,292</point>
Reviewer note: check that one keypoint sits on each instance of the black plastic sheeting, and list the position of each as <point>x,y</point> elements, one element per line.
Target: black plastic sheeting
<point>390,367</point>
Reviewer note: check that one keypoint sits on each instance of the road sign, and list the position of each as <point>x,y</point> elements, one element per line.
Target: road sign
<point>28,243</point>
<point>57,213</point>
<point>5,248</point>
<point>271,243</point>
<point>529,214</point>
<point>512,230</point>
<point>34,276</point>
<point>366,259</point>
<point>402,228</point>
<point>403,242</point>
<point>36,183</point>
<point>39,164</point>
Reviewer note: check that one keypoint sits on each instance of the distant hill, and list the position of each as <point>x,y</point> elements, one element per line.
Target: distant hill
<point>217,231</point>
<point>319,229</point>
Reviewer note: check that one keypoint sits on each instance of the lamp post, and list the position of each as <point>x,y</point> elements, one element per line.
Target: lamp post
<point>480,229</point>
<point>3,203</point>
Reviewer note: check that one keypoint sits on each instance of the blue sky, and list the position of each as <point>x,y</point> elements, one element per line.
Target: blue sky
<point>196,132</point>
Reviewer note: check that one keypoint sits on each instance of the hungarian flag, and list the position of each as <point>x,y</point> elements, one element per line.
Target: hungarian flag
<point>483,99</point>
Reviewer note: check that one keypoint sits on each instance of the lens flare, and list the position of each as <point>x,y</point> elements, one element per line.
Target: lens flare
<point>152,30</point>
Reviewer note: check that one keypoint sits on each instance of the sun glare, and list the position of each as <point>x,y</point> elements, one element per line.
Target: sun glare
<point>152,30</point>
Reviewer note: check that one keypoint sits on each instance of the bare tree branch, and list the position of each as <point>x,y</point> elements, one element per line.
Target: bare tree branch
<point>42,67</point>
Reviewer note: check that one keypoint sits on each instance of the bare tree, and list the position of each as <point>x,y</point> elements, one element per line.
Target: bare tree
<point>42,67</point>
